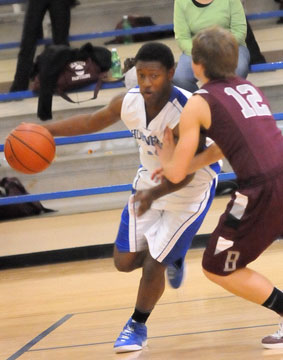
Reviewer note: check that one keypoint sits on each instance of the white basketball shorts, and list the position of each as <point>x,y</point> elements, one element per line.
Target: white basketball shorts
<point>166,234</point>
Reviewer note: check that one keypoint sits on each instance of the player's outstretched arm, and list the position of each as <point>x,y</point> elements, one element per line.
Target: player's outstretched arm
<point>88,123</point>
<point>176,162</point>
<point>208,156</point>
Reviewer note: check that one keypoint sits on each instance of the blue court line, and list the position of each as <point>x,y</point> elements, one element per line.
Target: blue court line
<point>158,337</point>
<point>34,341</point>
<point>83,192</point>
<point>89,137</point>
<point>65,194</point>
<point>106,136</point>
<point>96,35</point>
<point>136,30</point>
<point>271,66</point>
<point>278,116</point>
<point>11,2</point>
<point>250,16</point>
<point>92,137</point>
<point>28,94</point>
<point>265,15</point>
<point>91,191</point>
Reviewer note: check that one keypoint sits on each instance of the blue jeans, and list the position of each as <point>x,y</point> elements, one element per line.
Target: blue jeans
<point>184,76</point>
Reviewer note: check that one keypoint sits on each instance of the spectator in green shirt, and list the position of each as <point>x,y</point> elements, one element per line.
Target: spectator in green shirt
<point>191,16</point>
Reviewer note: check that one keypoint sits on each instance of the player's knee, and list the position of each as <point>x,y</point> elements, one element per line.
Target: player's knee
<point>122,261</point>
<point>152,270</point>
<point>122,265</point>
<point>126,262</point>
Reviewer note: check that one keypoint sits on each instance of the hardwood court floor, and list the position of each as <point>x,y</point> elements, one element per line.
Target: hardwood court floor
<point>76,310</point>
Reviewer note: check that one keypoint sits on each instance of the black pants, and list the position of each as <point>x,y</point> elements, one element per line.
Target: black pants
<point>60,15</point>
<point>280,20</point>
<point>252,45</point>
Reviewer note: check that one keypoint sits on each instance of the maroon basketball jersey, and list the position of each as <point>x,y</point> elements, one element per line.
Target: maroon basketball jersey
<point>243,127</point>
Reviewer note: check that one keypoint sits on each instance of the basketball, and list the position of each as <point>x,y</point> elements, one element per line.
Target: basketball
<point>29,148</point>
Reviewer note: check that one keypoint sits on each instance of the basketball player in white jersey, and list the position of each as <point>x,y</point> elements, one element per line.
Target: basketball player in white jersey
<point>160,220</point>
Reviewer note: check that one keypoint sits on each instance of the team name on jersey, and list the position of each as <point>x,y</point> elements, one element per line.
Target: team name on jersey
<point>149,140</point>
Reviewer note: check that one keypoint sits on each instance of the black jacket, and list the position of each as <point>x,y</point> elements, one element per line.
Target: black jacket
<point>51,62</point>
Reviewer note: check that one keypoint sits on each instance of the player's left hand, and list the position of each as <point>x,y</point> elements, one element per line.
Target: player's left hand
<point>145,199</point>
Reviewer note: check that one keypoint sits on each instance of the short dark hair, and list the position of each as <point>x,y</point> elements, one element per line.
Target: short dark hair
<point>217,50</point>
<point>155,51</point>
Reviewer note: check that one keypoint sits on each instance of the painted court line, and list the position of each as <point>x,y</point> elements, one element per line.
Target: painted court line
<point>34,341</point>
<point>156,337</point>
<point>28,346</point>
<point>157,305</point>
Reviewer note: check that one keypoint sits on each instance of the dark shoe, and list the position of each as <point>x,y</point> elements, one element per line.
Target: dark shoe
<point>274,341</point>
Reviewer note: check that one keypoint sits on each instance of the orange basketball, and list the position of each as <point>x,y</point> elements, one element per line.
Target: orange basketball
<point>29,148</point>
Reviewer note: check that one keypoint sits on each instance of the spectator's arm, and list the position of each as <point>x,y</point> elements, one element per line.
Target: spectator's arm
<point>238,25</point>
<point>181,29</point>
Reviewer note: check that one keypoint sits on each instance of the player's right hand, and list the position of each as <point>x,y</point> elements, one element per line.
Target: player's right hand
<point>157,175</point>
<point>145,199</point>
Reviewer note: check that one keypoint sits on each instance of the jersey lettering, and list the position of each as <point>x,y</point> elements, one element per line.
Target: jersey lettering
<point>149,140</point>
<point>231,260</point>
<point>249,99</point>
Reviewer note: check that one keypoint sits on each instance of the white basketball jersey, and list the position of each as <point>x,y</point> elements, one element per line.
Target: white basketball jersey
<point>134,116</point>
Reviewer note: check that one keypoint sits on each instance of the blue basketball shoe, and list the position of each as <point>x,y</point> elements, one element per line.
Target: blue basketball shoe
<point>132,338</point>
<point>175,273</point>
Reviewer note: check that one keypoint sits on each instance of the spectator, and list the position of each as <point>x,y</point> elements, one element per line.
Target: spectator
<point>191,16</point>
<point>256,57</point>
<point>60,14</point>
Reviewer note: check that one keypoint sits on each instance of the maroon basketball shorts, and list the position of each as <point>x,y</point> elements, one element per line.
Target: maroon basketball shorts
<point>252,221</point>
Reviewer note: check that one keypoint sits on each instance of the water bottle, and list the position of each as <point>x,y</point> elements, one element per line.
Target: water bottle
<point>116,68</point>
<point>128,39</point>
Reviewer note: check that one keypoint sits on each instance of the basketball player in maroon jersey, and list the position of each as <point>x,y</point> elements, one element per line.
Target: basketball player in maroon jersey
<point>236,115</point>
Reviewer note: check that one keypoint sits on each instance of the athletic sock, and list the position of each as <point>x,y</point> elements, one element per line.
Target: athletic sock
<point>275,301</point>
<point>140,317</point>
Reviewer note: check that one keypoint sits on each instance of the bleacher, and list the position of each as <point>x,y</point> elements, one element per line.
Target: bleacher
<point>101,163</point>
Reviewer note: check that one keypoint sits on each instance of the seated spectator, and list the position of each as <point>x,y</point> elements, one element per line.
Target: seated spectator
<point>191,16</point>
<point>256,57</point>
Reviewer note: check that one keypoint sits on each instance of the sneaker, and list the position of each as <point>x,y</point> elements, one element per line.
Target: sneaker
<point>175,273</point>
<point>274,341</point>
<point>132,338</point>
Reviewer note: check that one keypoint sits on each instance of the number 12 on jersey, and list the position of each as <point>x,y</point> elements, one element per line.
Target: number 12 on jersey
<point>249,99</point>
